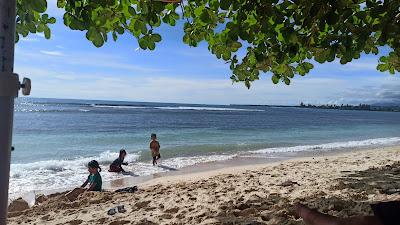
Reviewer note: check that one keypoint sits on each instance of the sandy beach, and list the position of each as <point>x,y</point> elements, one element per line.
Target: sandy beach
<point>343,185</point>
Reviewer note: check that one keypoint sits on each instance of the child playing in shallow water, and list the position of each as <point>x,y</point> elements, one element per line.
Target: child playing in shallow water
<point>155,149</point>
<point>116,166</point>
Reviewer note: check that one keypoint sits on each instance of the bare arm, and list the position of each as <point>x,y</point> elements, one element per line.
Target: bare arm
<point>91,187</point>
<point>84,184</point>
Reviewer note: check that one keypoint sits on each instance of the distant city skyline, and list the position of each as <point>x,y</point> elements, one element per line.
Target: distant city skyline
<point>69,66</point>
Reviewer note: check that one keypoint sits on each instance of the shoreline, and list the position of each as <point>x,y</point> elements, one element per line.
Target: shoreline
<point>215,170</point>
<point>235,164</point>
<point>341,184</point>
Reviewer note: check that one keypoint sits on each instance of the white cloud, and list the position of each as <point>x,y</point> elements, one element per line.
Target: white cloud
<point>361,64</point>
<point>29,39</point>
<point>366,64</point>
<point>39,34</point>
<point>88,60</point>
<point>65,77</point>
<point>52,53</point>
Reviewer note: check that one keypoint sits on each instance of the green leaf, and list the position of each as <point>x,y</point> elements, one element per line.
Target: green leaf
<point>40,27</point>
<point>143,43</point>
<point>382,67</point>
<point>132,11</point>
<point>52,20</point>
<point>144,8</point>
<point>45,17</point>
<point>156,37</point>
<point>225,4</point>
<point>137,25</point>
<point>38,5</point>
<point>96,37</point>
<point>226,56</point>
<point>308,65</point>
<point>114,35</point>
<point>143,28</point>
<point>47,32</point>
<point>275,79</point>
<point>151,45</point>
<point>205,17</point>
<point>236,45</point>
<point>120,30</point>
<point>391,70</point>
<point>287,81</point>
<point>247,83</point>
<point>293,37</point>
<point>61,3</point>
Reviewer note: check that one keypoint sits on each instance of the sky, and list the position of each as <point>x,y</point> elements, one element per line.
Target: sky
<point>69,66</point>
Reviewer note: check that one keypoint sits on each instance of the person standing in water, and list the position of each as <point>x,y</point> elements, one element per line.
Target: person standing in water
<point>155,149</point>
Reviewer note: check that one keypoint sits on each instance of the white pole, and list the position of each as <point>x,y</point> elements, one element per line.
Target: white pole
<point>7,39</point>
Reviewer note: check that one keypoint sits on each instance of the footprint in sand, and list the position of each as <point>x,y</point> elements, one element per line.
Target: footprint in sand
<point>166,216</point>
<point>119,222</point>
<point>46,217</point>
<point>145,222</point>
<point>142,204</point>
<point>172,210</point>
<point>74,222</point>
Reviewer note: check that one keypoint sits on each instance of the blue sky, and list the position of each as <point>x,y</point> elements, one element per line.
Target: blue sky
<point>69,66</point>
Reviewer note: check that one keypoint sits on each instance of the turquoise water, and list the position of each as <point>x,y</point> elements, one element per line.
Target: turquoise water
<point>56,138</point>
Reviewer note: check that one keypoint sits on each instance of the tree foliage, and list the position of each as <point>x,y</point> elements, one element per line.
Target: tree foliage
<point>284,37</point>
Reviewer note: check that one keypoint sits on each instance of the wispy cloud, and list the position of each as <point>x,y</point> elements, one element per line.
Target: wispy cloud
<point>361,65</point>
<point>29,39</point>
<point>87,60</point>
<point>39,34</point>
<point>100,62</point>
<point>65,77</point>
<point>52,53</point>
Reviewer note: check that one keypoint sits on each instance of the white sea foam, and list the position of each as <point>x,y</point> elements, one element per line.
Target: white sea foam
<point>120,106</point>
<point>177,108</point>
<point>332,146</point>
<point>209,109</point>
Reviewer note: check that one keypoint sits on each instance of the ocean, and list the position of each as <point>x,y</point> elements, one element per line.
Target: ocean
<point>54,139</point>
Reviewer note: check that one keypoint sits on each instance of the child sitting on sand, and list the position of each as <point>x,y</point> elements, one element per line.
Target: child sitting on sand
<point>116,166</point>
<point>94,178</point>
<point>155,149</point>
<point>94,181</point>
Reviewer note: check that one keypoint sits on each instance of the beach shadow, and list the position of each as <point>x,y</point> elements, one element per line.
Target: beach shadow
<point>384,180</point>
<point>130,174</point>
<point>167,168</point>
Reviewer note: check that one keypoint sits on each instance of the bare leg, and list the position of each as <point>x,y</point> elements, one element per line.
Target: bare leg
<point>312,217</point>
<point>73,195</point>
